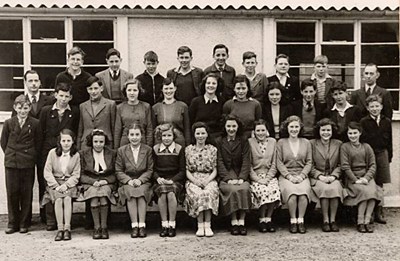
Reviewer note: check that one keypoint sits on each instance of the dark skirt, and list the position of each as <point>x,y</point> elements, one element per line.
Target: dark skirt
<point>127,192</point>
<point>90,192</point>
<point>176,188</point>
<point>234,197</point>
<point>382,168</point>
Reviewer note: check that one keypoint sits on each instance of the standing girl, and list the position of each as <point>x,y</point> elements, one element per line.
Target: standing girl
<point>62,171</point>
<point>134,168</point>
<point>169,175</point>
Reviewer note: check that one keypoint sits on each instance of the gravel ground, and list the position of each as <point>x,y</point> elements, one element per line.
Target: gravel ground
<point>347,244</point>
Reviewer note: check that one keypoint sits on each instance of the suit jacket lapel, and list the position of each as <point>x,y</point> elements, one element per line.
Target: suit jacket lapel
<point>129,155</point>
<point>363,96</point>
<point>320,148</point>
<point>88,108</point>
<point>141,156</point>
<point>107,80</point>
<point>101,107</point>
<point>108,158</point>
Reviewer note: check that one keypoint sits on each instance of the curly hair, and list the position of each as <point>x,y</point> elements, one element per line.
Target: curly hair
<point>73,149</point>
<point>165,127</point>
<point>285,123</point>
<point>96,132</point>
<point>220,83</point>
<point>324,122</point>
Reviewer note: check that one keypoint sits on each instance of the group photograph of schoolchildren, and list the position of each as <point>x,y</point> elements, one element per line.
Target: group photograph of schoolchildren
<point>207,142</point>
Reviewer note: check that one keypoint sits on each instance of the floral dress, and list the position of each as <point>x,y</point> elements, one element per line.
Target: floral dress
<point>201,162</point>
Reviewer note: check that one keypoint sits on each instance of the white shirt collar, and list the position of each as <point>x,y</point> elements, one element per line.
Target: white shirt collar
<point>171,147</point>
<point>178,70</point>
<point>370,87</point>
<point>55,107</point>
<point>66,154</point>
<point>335,108</point>
<point>252,77</point>
<point>30,96</point>
<point>236,99</point>
<point>207,100</point>
<point>279,76</point>
<point>314,76</point>
<point>112,71</point>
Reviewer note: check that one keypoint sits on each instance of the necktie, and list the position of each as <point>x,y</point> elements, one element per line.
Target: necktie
<point>308,106</point>
<point>21,123</point>
<point>114,76</point>
<point>34,103</point>
<point>220,69</point>
<point>368,92</point>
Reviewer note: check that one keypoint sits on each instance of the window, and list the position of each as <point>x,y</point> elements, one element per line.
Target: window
<point>349,45</point>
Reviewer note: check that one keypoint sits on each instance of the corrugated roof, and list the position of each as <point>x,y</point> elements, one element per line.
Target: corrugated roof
<point>213,4</point>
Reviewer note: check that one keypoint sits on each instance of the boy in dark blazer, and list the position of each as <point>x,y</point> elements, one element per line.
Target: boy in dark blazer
<point>20,140</point>
<point>53,119</point>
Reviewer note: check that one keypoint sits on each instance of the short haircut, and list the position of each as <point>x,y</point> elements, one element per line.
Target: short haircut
<point>63,86</point>
<point>242,78</point>
<point>166,82</point>
<point>231,117</point>
<point>339,85</point>
<point>220,46</point>
<point>76,50</point>
<point>29,72</point>
<point>306,83</point>
<point>323,59</point>
<point>355,126</point>
<point>373,98</point>
<point>93,79</point>
<point>73,148</point>
<point>275,85</point>
<point>111,52</point>
<point>136,126</point>
<point>249,55</point>
<point>198,125</point>
<point>220,83</point>
<point>163,128</point>
<point>281,55</point>
<point>132,82</point>
<point>373,65</point>
<point>96,132</point>
<point>184,49</point>
<point>284,126</point>
<point>151,57</point>
<point>261,122</point>
<point>324,122</point>
<point>22,99</point>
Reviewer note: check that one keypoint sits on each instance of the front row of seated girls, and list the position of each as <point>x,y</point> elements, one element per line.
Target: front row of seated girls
<point>247,172</point>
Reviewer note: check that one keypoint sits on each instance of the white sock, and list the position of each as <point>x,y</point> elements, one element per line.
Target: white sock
<point>234,222</point>
<point>293,221</point>
<point>241,222</point>
<point>262,220</point>
<point>134,225</point>
<point>300,220</point>
<point>267,219</point>
<point>164,223</point>
<point>171,224</point>
<point>142,224</point>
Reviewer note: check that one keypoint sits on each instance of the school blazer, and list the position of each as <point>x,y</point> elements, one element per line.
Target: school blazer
<point>105,77</point>
<point>126,168</point>
<point>234,157</point>
<point>21,146</point>
<point>359,96</point>
<point>89,175</point>
<point>51,126</point>
<point>43,101</point>
<point>197,76</point>
<point>319,159</point>
<point>284,112</point>
<point>104,119</point>
<point>291,89</point>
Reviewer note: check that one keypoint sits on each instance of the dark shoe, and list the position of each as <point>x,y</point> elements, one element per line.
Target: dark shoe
<point>379,215</point>
<point>142,232</point>
<point>59,236</point>
<point>97,233</point>
<point>301,228</point>
<point>262,227</point>
<point>361,228</point>
<point>67,235</point>
<point>334,227</point>
<point>135,232</point>
<point>23,230</point>
<point>10,230</point>
<point>270,227</point>
<point>171,232</point>
<point>293,228</point>
<point>164,232</point>
<point>242,230</point>
<point>369,228</point>
<point>326,227</point>
<point>104,233</point>
<point>235,230</point>
<point>51,227</point>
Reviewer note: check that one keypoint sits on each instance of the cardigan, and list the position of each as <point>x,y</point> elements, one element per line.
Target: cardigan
<point>89,175</point>
<point>286,162</point>
<point>52,170</point>
<point>152,87</point>
<point>169,165</point>
<point>284,112</point>
<point>263,162</point>
<point>126,169</point>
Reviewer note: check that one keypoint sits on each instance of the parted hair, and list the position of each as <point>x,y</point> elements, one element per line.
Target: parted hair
<point>373,98</point>
<point>165,127</point>
<point>132,82</point>
<point>22,99</point>
<point>355,126</point>
<point>96,132</point>
<point>73,149</point>
<point>75,50</point>
<point>136,126</point>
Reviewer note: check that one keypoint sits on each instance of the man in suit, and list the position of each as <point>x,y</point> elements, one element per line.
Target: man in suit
<point>20,141</point>
<point>114,77</point>
<point>36,98</point>
<point>186,77</point>
<point>358,97</point>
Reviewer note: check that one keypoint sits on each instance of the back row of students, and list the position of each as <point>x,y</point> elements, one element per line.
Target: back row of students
<point>275,103</point>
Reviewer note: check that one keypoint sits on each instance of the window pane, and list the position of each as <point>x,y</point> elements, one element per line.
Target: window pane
<point>47,29</point>
<point>298,54</point>
<point>7,100</point>
<point>7,76</point>
<point>338,32</point>
<point>48,53</point>
<point>389,78</point>
<point>48,76</point>
<point>339,53</point>
<point>10,30</point>
<point>395,100</point>
<point>95,52</point>
<point>343,74</point>
<point>93,30</point>
<point>381,55</point>
<point>11,53</point>
<point>94,70</point>
<point>295,32</point>
<point>379,32</point>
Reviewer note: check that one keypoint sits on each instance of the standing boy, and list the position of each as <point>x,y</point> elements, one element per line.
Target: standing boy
<point>114,77</point>
<point>151,81</point>
<point>226,72</point>
<point>291,91</point>
<point>186,77</point>
<point>53,119</point>
<point>378,133</point>
<point>75,76</point>
<point>20,141</point>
